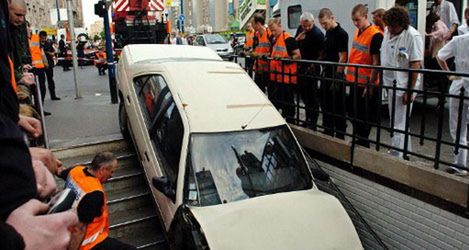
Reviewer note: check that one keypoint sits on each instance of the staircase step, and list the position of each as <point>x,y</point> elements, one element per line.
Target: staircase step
<point>139,232</point>
<point>135,202</point>
<point>128,181</point>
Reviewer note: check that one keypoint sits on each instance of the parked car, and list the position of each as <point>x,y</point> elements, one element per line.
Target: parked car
<point>217,43</point>
<point>226,169</point>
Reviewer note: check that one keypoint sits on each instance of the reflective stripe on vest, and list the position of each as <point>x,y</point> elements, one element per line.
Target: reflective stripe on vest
<point>82,184</point>
<point>249,39</point>
<point>36,53</point>
<point>288,71</point>
<point>12,74</point>
<point>262,49</point>
<point>360,54</point>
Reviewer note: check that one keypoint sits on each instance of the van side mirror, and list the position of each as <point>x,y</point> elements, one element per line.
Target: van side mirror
<point>163,184</point>
<point>320,174</point>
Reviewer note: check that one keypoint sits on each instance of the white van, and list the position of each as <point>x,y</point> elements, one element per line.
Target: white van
<point>227,171</point>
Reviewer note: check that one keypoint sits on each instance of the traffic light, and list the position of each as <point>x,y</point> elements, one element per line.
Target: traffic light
<point>100,9</point>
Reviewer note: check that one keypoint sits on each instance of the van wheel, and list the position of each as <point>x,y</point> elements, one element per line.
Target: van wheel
<point>123,125</point>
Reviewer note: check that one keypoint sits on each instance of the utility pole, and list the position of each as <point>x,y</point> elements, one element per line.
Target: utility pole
<point>71,26</point>
<point>267,11</point>
<point>58,10</point>
<point>182,13</point>
<point>101,9</point>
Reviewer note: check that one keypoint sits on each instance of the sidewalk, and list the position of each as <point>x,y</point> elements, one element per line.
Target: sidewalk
<point>77,121</point>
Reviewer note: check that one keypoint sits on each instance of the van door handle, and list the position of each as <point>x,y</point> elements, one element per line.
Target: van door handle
<point>146,156</point>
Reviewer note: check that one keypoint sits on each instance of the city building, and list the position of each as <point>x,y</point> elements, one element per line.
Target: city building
<point>96,28</point>
<point>77,11</point>
<point>38,14</point>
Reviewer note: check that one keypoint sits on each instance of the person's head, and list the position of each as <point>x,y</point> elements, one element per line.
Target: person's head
<point>17,10</point>
<point>378,17</point>
<point>360,16</point>
<point>29,32</point>
<point>466,13</point>
<point>42,36</point>
<point>249,27</point>
<point>396,19</point>
<point>326,19</point>
<point>258,22</point>
<point>62,36</point>
<point>275,27</point>
<point>438,2</point>
<point>307,21</point>
<point>103,166</point>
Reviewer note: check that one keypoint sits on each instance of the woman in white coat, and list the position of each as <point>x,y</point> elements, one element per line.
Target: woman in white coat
<point>458,48</point>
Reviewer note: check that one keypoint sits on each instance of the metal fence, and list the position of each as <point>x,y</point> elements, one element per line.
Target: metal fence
<point>343,101</point>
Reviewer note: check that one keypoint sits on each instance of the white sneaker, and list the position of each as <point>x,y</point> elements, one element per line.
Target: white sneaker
<point>456,171</point>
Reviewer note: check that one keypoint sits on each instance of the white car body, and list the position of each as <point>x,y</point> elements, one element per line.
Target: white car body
<point>222,49</point>
<point>213,96</point>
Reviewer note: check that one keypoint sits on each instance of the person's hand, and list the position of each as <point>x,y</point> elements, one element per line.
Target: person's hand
<point>46,157</point>
<point>27,79</point>
<point>42,231</point>
<point>27,67</point>
<point>301,36</point>
<point>448,35</point>
<point>407,98</point>
<point>45,181</point>
<point>367,91</point>
<point>31,125</point>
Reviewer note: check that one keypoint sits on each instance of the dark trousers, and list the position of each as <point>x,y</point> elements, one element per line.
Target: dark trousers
<point>50,82</point>
<point>65,64</point>
<point>249,62</point>
<point>333,107</point>
<point>262,80</point>
<point>363,112</point>
<point>283,98</point>
<point>111,243</point>
<point>308,91</point>
<point>41,77</point>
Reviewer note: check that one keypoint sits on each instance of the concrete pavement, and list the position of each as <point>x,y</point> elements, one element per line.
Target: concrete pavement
<point>76,121</point>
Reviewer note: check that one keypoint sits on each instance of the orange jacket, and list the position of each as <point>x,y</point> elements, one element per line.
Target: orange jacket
<point>82,184</point>
<point>36,52</point>
<point>360,54</point>
<point>12,74</point>
<point>288,71</point>
<point>262,49</point>
<point>249,39</point>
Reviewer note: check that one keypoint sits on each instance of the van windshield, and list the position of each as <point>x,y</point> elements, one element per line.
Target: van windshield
<point>214,39</point>
<point>232,166</point>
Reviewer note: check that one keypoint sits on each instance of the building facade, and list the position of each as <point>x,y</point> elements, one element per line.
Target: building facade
<point>77,11</point>
<point>38,14</point>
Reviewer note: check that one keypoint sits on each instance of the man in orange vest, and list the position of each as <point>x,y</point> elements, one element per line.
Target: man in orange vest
<point>248,47</point>
<point>261,49</point>
<point>37,61</point>
<point>100,61</point>
<point>378,18</point>
<point>365,50</point>
<point>87,182</point>
<point>283,73</point>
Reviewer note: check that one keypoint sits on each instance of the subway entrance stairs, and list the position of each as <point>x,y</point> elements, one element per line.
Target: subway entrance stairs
<point>132,211</point>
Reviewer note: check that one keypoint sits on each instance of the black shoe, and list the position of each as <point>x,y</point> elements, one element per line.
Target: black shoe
<point>55,98</point>
<point>47,113</point>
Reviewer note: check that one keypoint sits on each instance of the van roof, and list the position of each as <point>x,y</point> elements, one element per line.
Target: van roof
<point>216,96</point>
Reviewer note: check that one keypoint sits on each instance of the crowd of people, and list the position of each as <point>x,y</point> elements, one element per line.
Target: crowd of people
<point>27,173</point>
<point>382,38</point>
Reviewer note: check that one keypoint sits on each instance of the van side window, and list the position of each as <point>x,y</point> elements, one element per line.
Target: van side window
<point>163,122</point>
<point>294,14</point>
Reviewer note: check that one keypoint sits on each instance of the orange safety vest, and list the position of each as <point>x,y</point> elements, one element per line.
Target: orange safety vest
<point>12,74</point>
<point>249,39</point>
<point>36,52</point>
<point>360,54</point>
<point>82,184</point>
<point>288,71</point>
<point>99,56</point>
<point>262,49</point>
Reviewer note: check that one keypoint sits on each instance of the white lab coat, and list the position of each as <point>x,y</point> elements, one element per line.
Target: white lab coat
<point>463,29</point>
<point>458,48</point>
<point>398,52</point>
<point>447,13</point>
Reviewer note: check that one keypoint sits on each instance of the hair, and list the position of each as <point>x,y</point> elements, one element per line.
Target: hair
<point>101,159</point>
<point>325,12</point>
<point>397,16</point>
<point>62,35</point>
<point>18,3</point>
<point>361,9</point>
<point>379,12</point>
<point>275,21</point>
<point>466,12</point>
<point>42,33</point>
<point>432,18</point>
<point>259,18</point>
<point>307,16</point>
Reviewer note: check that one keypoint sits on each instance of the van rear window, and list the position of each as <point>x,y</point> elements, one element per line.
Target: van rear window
<point>294,13</point>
